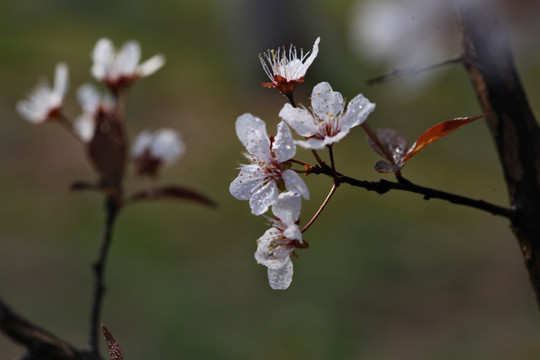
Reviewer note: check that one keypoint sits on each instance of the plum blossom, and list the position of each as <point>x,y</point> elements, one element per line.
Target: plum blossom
<point>151,150</point>
<point>328,121</point>
<point>260,181</point>
<point>277,243</point>
<point>45,102</point>
<point>284,69</point>
<point>91,101</point>
<point>120,68</point>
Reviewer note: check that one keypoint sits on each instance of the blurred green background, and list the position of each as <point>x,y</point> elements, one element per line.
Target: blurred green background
<point>385,277</point>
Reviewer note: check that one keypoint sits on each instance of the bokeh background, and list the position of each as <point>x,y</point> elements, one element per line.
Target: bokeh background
<point>385,277</point>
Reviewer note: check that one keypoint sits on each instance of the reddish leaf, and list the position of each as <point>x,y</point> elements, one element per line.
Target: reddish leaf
<point>171,192</point>
<point>115,353</point>
<point>438,131</point>
<point>393,141</point>
<point>107,149</point>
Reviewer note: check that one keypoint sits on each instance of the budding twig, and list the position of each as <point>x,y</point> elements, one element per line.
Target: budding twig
<point>111,209</point>
<point>383,186</point>
<point>412,71</point>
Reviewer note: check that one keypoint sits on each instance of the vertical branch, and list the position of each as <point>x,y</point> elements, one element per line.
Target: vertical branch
<point>111,211</point>
<point>487,56</point>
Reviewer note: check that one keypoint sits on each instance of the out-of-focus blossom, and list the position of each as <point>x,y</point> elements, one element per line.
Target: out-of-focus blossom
<point>91,102</point>
<point>276,245</point>
<point>120,68</point>
<point>286,69</point>
<point>151,150</point>
<point>328,122</point>
<point>403,34</point>
<point>260,181</point>
<point>45,102</point>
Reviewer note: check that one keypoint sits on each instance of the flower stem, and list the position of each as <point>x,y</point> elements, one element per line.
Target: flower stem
<point>333,165</point>
<point>112,208</point>
<point>319,160</point>
<point>332,190</point>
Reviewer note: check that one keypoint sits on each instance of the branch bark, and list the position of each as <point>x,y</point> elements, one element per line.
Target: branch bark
<point>41,345</point>
<point>487,56</point>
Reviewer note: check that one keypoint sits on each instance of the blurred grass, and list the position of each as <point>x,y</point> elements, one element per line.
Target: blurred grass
<point>385,277</point>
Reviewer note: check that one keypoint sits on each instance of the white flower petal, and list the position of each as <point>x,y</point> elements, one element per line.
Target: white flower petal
<point>151,65</point>
<point>167,146</point>
<point>302,71</point>
<point>61,80</point>
<point>84,127</point>
<point>142,143</point>
<point>258,144</point>
<point>128,58</point>
<point>29,112</point>
<point>263,198</point>
<point>293,232</point>
<point>88,97</point>
<point>269,253</point>
<point>357,112</point>
<point>326,103</point>
<point>312,143</point>
<point>294,183</point>
<point>287,207</point>
<point>299,119</point>
<point>246,122</point>
<point>283,146</point>
<point>280,279</point>
<point>102,57</point>
<point>249,179</point>
<point>329,140</point>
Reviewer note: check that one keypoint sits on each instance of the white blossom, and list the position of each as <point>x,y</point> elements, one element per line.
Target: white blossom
<point>276,245</point>
<point>45,102</point>
<point>260,181</point>
<point>282,66</point>
<point>150,150</point>
<point>120,68</point>
<point>91,101</point>
<point>328,121</point>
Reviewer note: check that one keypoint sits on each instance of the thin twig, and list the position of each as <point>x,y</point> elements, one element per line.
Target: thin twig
<point>111,208</point>
<point>383,186</point>
<point>412,71</point>
<point>332,190</point>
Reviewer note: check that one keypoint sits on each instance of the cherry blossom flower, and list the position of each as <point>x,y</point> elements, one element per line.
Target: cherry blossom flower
<point>45,102</point>
<point>119,69</point>
<point>284,69</point>
<point>276,245</point>
<point>151,150</point>
<point>91,102</point>
<point>328,121</point>
<point>260,181</point>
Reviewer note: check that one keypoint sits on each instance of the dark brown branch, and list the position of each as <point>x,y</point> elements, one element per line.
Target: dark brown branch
<point>487,56</point>
<point>111,211</point>
<point>41,345</point>
<point>384,186</point>
<point>412,71</point>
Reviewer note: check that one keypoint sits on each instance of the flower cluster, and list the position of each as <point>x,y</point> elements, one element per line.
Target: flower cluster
<point>101,125</point>
<point>269,179</point>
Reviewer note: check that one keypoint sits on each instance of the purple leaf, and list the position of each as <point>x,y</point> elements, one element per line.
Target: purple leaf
<point>115,353</point>
<point>394,143</point>
<point>384,167</point>
<point>171,192</point>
